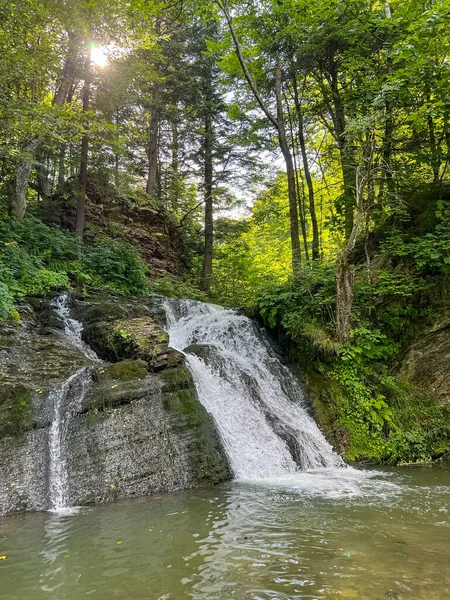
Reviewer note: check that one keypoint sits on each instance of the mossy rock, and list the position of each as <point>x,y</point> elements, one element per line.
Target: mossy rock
<point>112,393</point>
<point>133,339</point>
<point>426,365</point>
<point>124,370</point>
<point>177,379</point>
<point>15,409</point>
<point>100,312</point>
<point>326,395</point>
<point>181,401</point>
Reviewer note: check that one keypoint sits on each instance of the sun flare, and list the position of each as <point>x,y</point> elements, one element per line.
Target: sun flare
<point>98,56</point>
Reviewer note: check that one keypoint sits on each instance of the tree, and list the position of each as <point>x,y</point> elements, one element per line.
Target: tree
<point>278,123</point>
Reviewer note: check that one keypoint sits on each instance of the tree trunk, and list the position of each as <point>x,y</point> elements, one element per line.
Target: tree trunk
<point>345,280</point>
<point>278,123</point>
<point>23,170</point>
<point>346,155</point>
<point>62,166</point>
<point>44,182</point>
<point>345,274</point>
<point>312,204</point>
<point>70,69</point>
<point>209,223</point>
<point>290,171</point>
<point>152,151</point>
<point>434,147</point>
<point>387,153</point>
<point>175,165</point>
<point>299,189</point>
<point>81,205</point>
<point>301,206</point>
<point>31,147</point>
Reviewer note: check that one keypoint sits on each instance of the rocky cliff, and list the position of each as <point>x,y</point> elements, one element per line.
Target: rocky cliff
<point>130,425</point>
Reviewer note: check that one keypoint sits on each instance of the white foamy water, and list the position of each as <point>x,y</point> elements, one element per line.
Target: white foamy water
<point>72,327</point>
<point>66,401</point>
<point>256,402</point>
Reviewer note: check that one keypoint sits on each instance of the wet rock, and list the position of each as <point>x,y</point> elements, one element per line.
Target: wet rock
<point>138,338</point>
<point>203,351</point>
<point>426,364</point>
<point>159,440</point>
<point>123,370</point>
<point>140,428</point>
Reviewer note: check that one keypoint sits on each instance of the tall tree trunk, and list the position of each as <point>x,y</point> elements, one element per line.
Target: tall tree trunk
<point>70,68</point>
<point>209,223</point>
<point>81,205</point>
<point>44,182</point>
<point>116,151</point>
<point>278,123</point>
<point>346,154</point>
<point>434,147</point>
<point>299,185</point>
<point>175,165</point>
<point>345,274</point>
<point>152,151</point>
<point>387,153</point>
<point>23,170</point>
<point>62,166</point>
<point>345,282</point>
<point>290,171</point>
<point>299,190</point>
<point>312,204</point>
<point>208,142</point>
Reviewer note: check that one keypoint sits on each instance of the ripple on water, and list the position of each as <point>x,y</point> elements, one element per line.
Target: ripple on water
<point>368,535</point>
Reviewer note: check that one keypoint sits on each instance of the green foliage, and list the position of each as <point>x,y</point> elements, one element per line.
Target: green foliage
<point>36,259</point>
<point>300,306</point>
<point>384,420</point>
<point>430,252</point>
<point>117,266</point>
<point>175,287</point>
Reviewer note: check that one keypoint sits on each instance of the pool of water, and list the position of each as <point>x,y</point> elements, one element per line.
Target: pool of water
<point>343,534</point>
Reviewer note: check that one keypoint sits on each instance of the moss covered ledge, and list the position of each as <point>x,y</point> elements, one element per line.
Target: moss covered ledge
<point>139,338</point>
<point>181,401</point>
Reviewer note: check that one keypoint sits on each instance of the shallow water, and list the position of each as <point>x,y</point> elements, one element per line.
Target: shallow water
<point>347,534</point>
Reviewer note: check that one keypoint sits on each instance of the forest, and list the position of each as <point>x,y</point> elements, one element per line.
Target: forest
<point>287,157</point>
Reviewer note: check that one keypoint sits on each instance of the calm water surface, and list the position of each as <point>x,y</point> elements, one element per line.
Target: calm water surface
<point>345,534</point>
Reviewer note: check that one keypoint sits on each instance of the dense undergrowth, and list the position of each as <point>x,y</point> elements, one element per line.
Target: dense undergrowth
<point>36,259</point>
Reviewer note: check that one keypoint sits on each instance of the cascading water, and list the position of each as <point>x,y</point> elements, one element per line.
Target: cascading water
<point>72,328</point>
<point>66,400</point>
<point>256,402</point>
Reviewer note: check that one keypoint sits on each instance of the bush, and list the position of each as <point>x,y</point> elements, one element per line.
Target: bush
<point>172,287</point>
<point>36,259</point>
<point>117,266</point>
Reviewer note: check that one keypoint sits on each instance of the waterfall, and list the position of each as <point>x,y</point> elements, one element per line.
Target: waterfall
<point>66,400</point>
<point>257,403</point>
<point>72,328</point>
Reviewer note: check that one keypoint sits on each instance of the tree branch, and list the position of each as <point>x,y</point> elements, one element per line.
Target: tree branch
<point>248,76</point>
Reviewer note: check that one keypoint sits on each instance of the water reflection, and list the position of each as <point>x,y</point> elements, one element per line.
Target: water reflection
<point>54,553</point>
